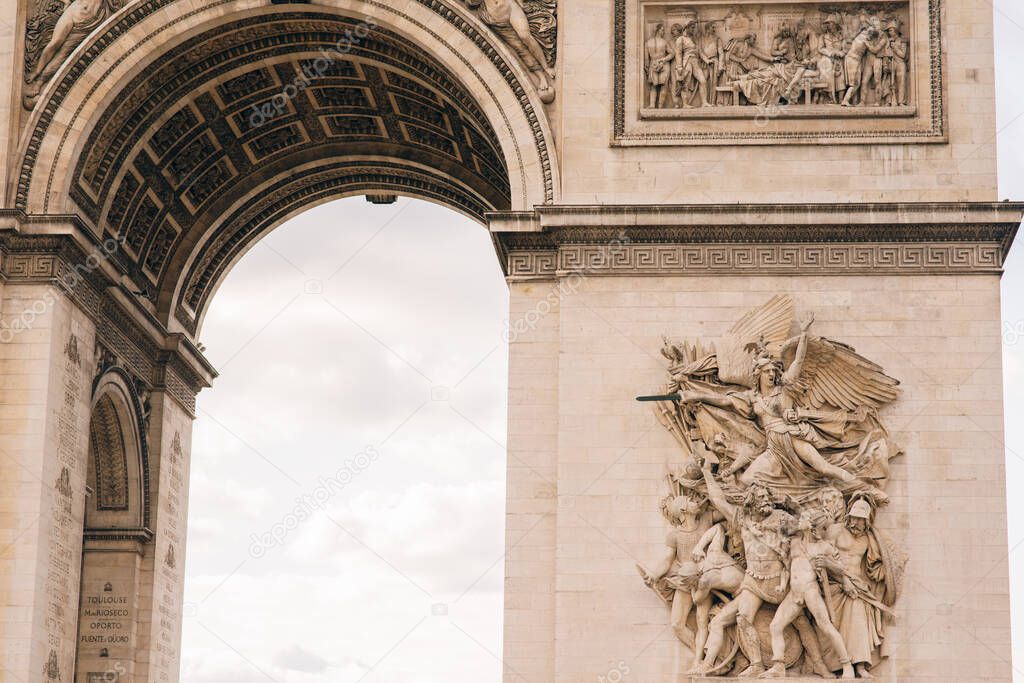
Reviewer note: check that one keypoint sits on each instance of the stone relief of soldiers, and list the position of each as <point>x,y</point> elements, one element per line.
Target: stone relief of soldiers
<point>658,56</point>
<point>773,566</point>
<point>689,67</point>
<point>855,57</point>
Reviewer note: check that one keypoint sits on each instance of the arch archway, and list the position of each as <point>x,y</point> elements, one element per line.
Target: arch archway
<point>212,126</point>
<point>183,132</point>
<point>118,469</point>
<point>116,529</point>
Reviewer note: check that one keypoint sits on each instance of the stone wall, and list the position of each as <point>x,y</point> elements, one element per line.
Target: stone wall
<point>45,391</point>
<point>824,171</point>
<point>939,334</point>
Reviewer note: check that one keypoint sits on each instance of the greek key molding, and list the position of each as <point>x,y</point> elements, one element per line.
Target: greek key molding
<point>56,260</point>
<point>760,259</point>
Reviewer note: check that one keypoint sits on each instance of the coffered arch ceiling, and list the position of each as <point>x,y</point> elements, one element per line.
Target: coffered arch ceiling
<point>244,123</point>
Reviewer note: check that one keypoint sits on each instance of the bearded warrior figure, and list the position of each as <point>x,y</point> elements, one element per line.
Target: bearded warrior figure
<point>781,435</point>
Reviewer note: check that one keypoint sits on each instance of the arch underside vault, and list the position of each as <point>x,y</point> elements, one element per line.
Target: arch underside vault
<point>240,126</point>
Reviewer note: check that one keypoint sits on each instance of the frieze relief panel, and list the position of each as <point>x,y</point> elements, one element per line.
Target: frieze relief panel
<point>797,71</point>
<point>781,473</point>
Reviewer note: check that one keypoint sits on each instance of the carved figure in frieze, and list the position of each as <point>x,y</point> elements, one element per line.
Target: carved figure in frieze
<point>894,65</point>
<point>770,84</point>
<point>766,532</point>
<point>862,65</point>
<point>781,434</point>
<point>712,56</point>
<point>689,74</point>
<point>510,21</point>
<point>53,32</point>
<point>719,571</point>
<point>742,56</point>
<point>820,76</point>
<point>811,556</point>
<point>658,57</point>
<point>675,577</point>
<point>873,573</point>
<point>832,51</point>
<point>795,434</point>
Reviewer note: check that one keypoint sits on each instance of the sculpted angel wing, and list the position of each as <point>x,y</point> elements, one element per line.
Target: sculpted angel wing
<point>769,322</point>
<point>544,25</point>
<point>835,375</point>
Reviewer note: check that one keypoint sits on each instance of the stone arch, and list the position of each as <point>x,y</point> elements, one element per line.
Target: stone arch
<point>118,463</point>
<point>154,130</point>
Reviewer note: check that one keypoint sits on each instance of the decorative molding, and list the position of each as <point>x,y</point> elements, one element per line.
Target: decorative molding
<point>57,260</point>
<point>740,259</point>
<point>532,264</point>
<point>752,239</point>
<point>629,129</point>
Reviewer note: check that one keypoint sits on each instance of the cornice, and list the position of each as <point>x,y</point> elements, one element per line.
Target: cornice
<point>164,360</point>
<point>911,238</point>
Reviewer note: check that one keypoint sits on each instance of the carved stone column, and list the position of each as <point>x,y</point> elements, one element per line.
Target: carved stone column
<point>913,287</point>
<point>97,403</point>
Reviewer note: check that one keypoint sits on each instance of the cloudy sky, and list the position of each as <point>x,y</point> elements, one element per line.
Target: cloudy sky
<point>347,486</point>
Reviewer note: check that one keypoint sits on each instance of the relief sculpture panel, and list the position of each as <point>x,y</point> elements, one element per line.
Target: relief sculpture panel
<point>54,29</point>
<point>815,57</point>
<point>773,564</point>
<point>798,71</point>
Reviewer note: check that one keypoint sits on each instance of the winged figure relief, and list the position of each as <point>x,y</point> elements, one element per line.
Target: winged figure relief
<point>795,411</point>
<point>543,18</point>
<point>784,462</point>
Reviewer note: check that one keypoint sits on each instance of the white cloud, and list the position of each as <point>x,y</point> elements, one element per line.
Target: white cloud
<point>303,389</point>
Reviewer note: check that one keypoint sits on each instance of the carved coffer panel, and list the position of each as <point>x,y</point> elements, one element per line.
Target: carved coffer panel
<point>777,72</point>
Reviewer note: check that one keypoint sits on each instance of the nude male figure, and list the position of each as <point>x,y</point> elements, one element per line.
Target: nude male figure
<point>78,15</point>
<point>508,19</point>
<point>805,591</point>
<point>690,521</point>
<point>765,531</point>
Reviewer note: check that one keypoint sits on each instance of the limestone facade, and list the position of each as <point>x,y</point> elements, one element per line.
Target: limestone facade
<point>149,143</point>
